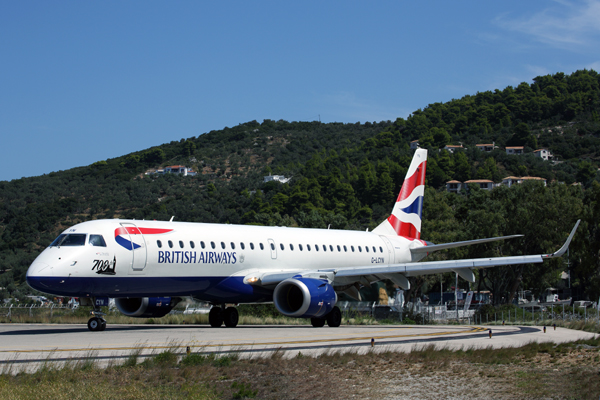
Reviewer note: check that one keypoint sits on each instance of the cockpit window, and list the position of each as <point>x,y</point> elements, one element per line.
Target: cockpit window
<point>70,239</point>
<point>97,240</point>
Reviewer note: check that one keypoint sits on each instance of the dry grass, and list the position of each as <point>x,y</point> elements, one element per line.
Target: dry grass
<point>533,371</point>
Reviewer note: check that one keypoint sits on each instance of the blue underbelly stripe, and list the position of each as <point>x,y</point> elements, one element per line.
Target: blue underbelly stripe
<point>214,289</point>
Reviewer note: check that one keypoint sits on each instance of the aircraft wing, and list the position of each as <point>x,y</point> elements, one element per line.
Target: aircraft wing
<point>398,272</point>
<point>435,247</point>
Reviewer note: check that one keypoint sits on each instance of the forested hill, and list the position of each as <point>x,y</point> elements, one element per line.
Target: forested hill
<point>348,175</point>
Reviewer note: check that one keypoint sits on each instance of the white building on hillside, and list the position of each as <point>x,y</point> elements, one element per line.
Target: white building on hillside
<point>514,180</point>
<point>514,150</point>
<point>276,178</point>
<point>484,184</point>
<point>544,154</point>
<point>486,147</point>
<point>453,147</point>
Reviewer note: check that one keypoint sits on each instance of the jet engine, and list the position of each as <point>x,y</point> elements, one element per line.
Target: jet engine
<point>304,297</point>
<point>146,307</point>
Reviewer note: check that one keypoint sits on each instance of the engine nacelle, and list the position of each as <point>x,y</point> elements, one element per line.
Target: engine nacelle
<point>304,298</point>
<point>146,307</point>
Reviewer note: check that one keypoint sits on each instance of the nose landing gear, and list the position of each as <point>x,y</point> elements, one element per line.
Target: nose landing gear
<point>96,323</point>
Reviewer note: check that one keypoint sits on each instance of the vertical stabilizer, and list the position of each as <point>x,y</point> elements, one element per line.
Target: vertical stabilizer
<point>406,215</point>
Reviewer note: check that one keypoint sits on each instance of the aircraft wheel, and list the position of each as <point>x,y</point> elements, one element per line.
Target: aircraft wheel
<point>317,322</point>
<point>215,317</point>
<point>94,324</point>
<point>334,318</point>
<point>232,317</point>
<point>102,325</point>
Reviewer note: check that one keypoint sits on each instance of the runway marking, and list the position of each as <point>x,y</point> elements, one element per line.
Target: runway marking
<point>233,344</point>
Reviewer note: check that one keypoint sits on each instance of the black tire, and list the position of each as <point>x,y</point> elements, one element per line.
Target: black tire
<point>215,317</point>
<point>317,322</point>
<point>334,318</point>
<point>102,325</point>
<point>94,324</point>
<point>231,317</point>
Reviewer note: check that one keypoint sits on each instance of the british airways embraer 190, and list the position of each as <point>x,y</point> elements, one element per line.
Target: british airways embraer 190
<point>149,266</point>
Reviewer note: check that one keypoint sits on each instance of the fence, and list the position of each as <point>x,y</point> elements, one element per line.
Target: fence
<point>43,310</point>
<point>441,314</point>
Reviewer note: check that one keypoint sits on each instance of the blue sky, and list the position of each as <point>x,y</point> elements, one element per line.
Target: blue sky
<point>87,81</point>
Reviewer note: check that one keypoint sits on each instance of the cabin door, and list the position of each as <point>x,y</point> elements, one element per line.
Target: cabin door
<point>136,244</point>
<point>272,248</point>
<point>391,255</point>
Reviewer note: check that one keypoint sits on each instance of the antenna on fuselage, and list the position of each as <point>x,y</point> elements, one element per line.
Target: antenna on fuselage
<point>171,220</point>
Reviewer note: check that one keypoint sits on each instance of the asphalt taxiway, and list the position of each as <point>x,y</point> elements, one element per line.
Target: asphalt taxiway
<point>39,343</point>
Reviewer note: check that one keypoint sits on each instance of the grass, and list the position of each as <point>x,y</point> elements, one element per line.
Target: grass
<point>567,370</point>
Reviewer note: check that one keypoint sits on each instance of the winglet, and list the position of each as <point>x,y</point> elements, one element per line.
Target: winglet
<point>565,246</point>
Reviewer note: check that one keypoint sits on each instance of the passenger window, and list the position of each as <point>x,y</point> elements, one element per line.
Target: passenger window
<point>352,248</point>
<point>367,249</point>
<point>345,249</point>
<point>159,244</point>
<point>170,244</point>
<point>232,246</point>
<point>212,244</point>
<point>291,247</point>
<point>374,249</point>
<point>281,246</point>
<point>272,246</point>
<point>192,244</point>
<point>338,247</point>
<point>300,247</point>
<point>97,240</point>
<point>359,249</point>
<point>181,244</point>
<point>251,246</point>
<point>308,247</point>
<point>316,247</point>
<point>262,247</point>
<point>324,248</point>
<point>381,249</point>
<point>223,245</point>
<point>202,244</point>
<point>331,247</point>
<point>242,245</point>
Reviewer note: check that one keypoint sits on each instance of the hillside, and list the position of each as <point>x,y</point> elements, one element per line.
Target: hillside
<point>347,176</point>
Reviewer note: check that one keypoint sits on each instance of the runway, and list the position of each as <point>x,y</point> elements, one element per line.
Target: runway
<point>32,344</point>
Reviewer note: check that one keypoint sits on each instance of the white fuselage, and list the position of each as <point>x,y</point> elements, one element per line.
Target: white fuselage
<point>206,261</point>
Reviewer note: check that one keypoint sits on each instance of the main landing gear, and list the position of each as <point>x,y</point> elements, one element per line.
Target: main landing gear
<point>219,315</point>
<point>333,319</point>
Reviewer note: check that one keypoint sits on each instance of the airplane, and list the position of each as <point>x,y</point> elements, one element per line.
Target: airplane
<point>150,266</point>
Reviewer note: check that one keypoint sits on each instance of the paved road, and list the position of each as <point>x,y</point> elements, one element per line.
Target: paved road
<point>34,343</point>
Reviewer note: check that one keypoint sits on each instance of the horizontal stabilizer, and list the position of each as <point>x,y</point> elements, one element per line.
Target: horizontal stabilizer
<point>436,247</point>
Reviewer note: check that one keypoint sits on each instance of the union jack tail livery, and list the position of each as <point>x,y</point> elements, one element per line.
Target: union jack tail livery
<point>406,215</point>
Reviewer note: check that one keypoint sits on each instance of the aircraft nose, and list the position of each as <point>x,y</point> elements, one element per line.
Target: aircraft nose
<point>39,269</point>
